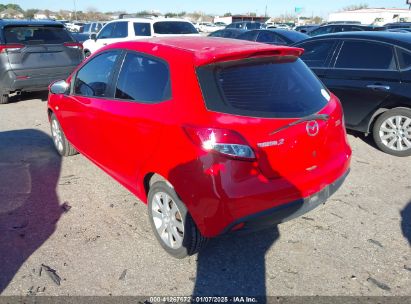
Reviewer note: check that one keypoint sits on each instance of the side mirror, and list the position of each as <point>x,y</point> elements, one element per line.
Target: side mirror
<point>93,36</point>
<point>59,87</point>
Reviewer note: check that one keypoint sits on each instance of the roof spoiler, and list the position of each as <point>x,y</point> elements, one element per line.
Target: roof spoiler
<point>279,52</point>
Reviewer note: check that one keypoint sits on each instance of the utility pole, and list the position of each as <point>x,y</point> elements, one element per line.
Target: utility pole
<point>75,10</point>
<point>265,15</point>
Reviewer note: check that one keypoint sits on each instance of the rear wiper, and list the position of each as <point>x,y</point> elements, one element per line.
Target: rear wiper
<point>324,117</point>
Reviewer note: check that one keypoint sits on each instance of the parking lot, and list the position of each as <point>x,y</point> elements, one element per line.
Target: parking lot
<point>93,237</point>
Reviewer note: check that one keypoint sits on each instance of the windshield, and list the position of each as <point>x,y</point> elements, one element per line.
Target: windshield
<point>263,89</point>
<point>174,27</point>
<point>36,35</point>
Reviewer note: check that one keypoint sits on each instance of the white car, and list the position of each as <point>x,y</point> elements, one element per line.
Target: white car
<point>137,28</point>
<point>208,27</point>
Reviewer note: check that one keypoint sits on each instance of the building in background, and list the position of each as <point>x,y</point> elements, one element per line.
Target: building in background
<point>376,16</point>
<point>237,18</point>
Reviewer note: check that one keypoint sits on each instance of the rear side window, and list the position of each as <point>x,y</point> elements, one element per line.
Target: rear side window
<point>366,55</point>
<point>317,53</point>
<point>404,59</point>
<point>174,27</point>
<point>143,79</point>
<point>263,89</point>
<point>94,77</point>
<point>36,35</point>
<point>251,36</point>
<point>253,26</point>
<point>142,29</point>
<point>269,37</point>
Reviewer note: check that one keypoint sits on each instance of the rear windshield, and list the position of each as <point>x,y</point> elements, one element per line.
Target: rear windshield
<point>263,89</point>
<point>36,35</point>
<point>174,27</point>
<point>253,26</point>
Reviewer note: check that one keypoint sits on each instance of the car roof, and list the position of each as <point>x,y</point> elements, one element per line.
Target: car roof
<point>8,22</point>
<point>384,36</point>
<point>207,50</point>
<point>149,19</point>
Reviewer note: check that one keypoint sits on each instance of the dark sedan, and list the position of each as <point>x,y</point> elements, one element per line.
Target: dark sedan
<point>273,36</point>
<point>227,33</point>
<point>371,74</point>
<point>343,27</point>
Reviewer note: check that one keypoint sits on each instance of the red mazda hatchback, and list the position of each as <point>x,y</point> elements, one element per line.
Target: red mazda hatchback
<point>216,135</point>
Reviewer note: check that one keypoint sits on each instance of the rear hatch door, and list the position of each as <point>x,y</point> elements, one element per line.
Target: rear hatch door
<point>41,48</point>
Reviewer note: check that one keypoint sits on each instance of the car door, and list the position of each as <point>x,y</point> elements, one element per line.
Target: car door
<point>90,84</point>
<point>111,33</point>
<point>318,54</point>
<point>363,75</point>
<point>130,122</point>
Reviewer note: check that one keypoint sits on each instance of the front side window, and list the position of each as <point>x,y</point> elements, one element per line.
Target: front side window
<point>120,30</point>
<point>366,55</point>
<point>94,77</point>
<point>107,31</point>
<point>142,29</point>
<point>143,79</point>
<point>317,53</point>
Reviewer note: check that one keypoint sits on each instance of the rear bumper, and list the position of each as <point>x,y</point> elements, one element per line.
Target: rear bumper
<point>287,211</point>
<point>32,80</point>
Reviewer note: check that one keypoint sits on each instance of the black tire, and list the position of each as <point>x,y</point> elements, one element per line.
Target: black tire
<point>193,241</point>
<point>404,112</point>
<point>65,148</point>
<point>4,98</point>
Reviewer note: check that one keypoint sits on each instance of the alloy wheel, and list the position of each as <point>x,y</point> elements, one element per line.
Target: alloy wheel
<point>395,133</point>
<point>168,220</point>
<point>56,134</point>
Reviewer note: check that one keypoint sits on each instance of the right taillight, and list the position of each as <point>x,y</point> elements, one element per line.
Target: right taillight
<point>226,142</point>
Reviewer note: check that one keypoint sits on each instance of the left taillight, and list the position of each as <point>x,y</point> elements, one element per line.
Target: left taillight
<point>10,47</point>
<point>225,142</point>
<point>74,45</point>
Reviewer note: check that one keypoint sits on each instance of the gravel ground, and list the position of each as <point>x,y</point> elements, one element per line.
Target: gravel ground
<point>67,228</point>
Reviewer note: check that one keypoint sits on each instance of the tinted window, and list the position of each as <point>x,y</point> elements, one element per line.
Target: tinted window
<point>120,30</point>
<point>321,31</point>
<point>93,78</point>
<point>269,37</point>
<point>143,79</point>
<point>253,25</point>
<point>366,55</point>
<point>317,53</point>
<point>174,27</point>
<point>86,27</point>
<point>251,36</point>
<point>36,35</point>
<point>107,31</point>
<point>264,89</point>
<point>142,29</point>
<point>404,58</point>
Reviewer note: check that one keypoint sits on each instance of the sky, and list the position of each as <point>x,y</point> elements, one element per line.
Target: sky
<point>216,7</point>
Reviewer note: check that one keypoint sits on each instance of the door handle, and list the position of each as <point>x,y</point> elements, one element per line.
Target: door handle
<point>378,87</point>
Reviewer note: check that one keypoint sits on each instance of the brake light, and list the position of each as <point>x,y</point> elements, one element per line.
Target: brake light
<point>10,47</point>
<point>74,45</point>
<point>222,141</point>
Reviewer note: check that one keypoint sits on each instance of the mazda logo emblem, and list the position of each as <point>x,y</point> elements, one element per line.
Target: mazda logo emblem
<point>312,128</point>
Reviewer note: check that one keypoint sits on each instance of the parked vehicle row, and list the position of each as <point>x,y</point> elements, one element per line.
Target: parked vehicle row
<point>371,74</point>
<point>137,28</point>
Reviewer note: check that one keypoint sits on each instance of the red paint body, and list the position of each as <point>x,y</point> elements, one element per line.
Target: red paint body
<point>130,140</point>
